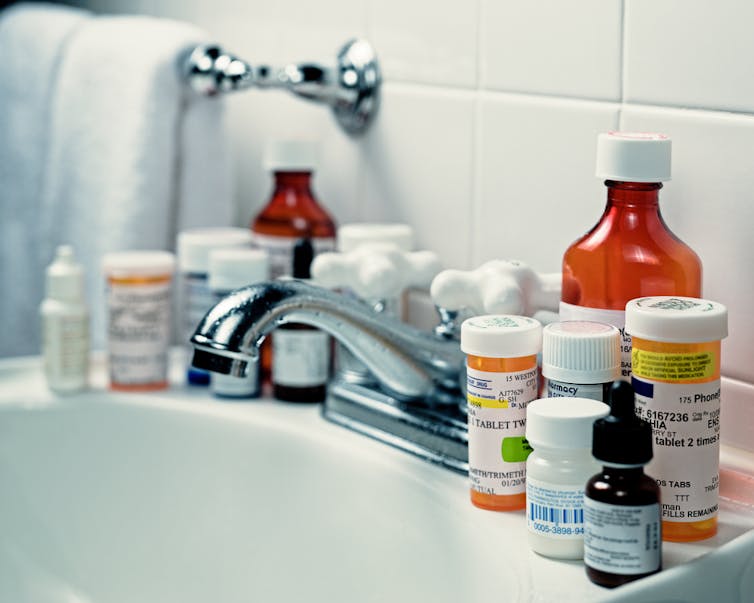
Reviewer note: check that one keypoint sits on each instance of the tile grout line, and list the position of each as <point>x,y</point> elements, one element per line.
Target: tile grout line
<point>623,60</point>
<point>426,88</point>
<point>479,40</point>
<point>474,155</point>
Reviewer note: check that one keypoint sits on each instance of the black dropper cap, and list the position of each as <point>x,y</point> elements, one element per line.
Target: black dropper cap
<point>622,437</point>
<point>303,254</point>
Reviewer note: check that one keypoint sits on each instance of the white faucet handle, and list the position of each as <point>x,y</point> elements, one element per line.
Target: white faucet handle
<point>376,271</point>
<point>497,287</point>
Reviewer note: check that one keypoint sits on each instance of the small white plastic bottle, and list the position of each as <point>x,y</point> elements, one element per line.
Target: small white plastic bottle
<point>194,246</point>
<point>231,269</point>
<point>557,471</point>
<point>65,325</point>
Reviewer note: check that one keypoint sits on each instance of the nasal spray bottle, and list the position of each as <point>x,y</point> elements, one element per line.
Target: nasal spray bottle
<point>65,325</point>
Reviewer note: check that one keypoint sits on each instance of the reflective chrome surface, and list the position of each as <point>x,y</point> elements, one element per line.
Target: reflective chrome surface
<point>414,398</point>
<point>350,87</point>
<point>408,364</point>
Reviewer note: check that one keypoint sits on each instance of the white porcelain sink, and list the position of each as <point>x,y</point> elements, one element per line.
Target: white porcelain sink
<point>177,497</point>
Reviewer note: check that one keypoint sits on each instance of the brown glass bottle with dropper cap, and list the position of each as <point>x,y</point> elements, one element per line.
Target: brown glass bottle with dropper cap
<point>301,353</point>
<point>292,212</point>
<point>622,528</point>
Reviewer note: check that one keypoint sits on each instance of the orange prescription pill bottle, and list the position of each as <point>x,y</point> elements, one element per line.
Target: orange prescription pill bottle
<point>139,315</point>
<point>501,378</point>
<point>676,376</point>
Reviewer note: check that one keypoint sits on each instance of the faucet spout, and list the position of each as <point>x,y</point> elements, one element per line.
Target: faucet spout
<point>409,364</point>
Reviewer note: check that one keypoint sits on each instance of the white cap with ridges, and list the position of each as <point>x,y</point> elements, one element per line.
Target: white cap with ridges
<point>580,351</point>
<point>195,244</point>
<point>351,236</point>
<point>676,319</point>
<point>563,423</point>
<point>501,336</point>
<point>235,268</point>
<point>633,156</point>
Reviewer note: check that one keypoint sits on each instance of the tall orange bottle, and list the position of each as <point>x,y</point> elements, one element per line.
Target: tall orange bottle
<point>630,252</point>
<point>291,214</point>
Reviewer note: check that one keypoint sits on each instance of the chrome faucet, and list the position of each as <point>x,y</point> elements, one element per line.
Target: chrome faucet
<point>420,376</point>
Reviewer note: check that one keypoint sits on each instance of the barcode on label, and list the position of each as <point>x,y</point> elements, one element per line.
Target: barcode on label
<point>555,515</point>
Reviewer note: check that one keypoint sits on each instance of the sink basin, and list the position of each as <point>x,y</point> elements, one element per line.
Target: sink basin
<point>177,497</point>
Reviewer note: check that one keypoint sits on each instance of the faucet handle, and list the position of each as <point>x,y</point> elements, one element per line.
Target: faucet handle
<point>376,270</point>
<point>497,287</point>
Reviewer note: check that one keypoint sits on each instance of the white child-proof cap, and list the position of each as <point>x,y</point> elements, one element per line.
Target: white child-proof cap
<point>125,264</point>
<point>194,245</point>
<point>633,156</point>
<point>676,319</point>
<point>290,156</point>
<point>564,423</point>
<point>580,351</point>
<point>501,336</point>
<point>235,268</point>
<point>352,236</point>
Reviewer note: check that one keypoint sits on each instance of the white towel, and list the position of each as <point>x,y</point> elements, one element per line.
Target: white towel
<point>134,156</point>
<point>32,37</point>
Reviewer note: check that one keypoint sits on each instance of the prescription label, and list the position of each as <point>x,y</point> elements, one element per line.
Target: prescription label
<point>621,539</point>
<point>685,421</point>
<point>554,510</point>
<point>497,422</point>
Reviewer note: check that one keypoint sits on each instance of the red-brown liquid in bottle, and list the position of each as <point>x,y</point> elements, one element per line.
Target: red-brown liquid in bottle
<point>292,213</point>
<point>630,253</point>
<point>625,488</point>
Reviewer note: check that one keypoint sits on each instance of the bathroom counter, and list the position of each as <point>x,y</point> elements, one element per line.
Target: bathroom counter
<point>258,500</point>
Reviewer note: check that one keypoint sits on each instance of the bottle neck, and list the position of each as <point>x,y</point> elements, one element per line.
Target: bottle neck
<point>293,182</point>
<point>623,471</point>
<point>633,194</point>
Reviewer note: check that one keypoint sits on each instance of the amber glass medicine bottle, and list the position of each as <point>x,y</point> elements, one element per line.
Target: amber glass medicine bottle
<point>631,252</point>
<point>292,213</point>
<point>301,353</point>
<point>622,528</point>
<point>501,377</point>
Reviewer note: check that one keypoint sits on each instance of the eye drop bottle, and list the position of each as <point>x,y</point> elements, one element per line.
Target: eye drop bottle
<point>65,325</point>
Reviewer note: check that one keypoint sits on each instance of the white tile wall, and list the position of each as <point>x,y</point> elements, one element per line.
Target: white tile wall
<point>690,54</point>
<point>480,143</point>
<point>552,47</point>
<point>535,173</point>
<point>426,41</point>
<point>268,114</point>
<point>419,173</point>
<point>710,205</point>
